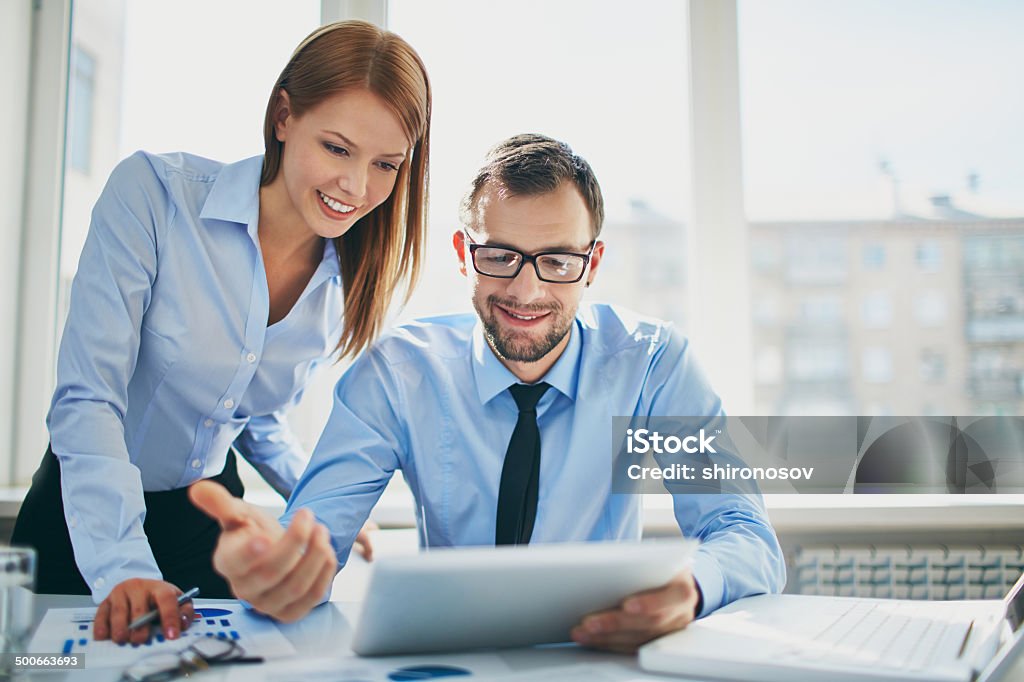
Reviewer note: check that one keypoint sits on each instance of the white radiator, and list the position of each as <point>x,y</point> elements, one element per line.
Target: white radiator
<point>906,571</point>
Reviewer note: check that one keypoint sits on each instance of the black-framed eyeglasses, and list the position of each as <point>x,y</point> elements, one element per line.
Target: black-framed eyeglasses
<point>200,655</point>
<point>559,267</point>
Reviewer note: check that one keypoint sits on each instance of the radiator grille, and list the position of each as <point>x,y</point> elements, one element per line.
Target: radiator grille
<point>906,571</point>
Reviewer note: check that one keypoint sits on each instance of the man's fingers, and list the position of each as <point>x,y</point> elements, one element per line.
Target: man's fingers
<point>101,623</point>
<point>276,564</point>
<point>317,569</point>
<point>618,621</point>
<point>166,600</point>
<point>216,502</point>
<point>625,643</point>
<point>300,589</point>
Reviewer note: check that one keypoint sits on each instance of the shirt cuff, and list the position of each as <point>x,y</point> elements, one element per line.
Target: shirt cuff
<point>103,585</point>
<point>709,578</point>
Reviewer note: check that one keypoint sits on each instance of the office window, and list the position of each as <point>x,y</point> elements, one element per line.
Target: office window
<point>80,109</point>
<point>546,67</point>
<point>876,310</point>
<point>844,143</point>
<point>876,365</point>
<point>134,86</point>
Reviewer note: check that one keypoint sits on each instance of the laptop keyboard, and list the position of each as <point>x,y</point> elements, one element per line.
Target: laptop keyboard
<point>894,635</point>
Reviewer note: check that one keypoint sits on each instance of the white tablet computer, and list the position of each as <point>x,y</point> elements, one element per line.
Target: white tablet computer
<point>484,597</point>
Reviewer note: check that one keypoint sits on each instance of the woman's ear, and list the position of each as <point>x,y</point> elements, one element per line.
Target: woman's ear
<point>282,114</point>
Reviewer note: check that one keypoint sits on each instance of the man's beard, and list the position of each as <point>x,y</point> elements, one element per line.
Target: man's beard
<point>518,346</point>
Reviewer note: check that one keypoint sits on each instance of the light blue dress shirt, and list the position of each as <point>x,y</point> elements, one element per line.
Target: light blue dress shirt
<point>432,399</point>
<point>166,360</point>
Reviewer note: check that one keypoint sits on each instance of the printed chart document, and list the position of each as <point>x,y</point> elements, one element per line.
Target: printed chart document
<point>69,631</point>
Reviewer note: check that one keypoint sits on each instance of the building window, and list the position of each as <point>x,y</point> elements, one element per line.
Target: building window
<point>876,310</point>
<point>874,256</point>
<point>813,257</point>
<point>768,365</point>
<point>826,309</point>
<point>80,109</point>
<point>928,255</point>
<point>766,311</point>
<point>765,255</point>
<point>876,365</point>
<point>932,367</point>
<point>930,308</point>
<point>816,362</point>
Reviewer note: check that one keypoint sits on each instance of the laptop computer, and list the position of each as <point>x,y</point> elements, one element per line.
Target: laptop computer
<point>491,597</point>
<point>776,638</point>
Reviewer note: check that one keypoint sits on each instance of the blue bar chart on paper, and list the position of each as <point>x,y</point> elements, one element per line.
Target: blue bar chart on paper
<point>69,631</point>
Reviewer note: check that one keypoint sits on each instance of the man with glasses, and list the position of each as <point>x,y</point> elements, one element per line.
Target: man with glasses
<point>501,420</point>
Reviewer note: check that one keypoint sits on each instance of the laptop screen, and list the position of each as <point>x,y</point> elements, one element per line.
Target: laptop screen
<point>1015,605</point>
<point>1004,661</point>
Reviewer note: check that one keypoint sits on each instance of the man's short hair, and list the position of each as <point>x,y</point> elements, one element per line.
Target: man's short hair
<point>531,164</point>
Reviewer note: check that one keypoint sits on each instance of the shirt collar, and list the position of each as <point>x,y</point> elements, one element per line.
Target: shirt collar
<point>234,197</point>
<point>235,194</point>
<point>492,377</point>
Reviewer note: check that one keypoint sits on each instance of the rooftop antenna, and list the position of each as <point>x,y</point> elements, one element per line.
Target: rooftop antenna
<point>886,169</point>
<point>973,182</point>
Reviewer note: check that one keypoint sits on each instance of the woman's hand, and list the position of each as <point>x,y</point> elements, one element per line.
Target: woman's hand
<point>363,544</point>
<point>136,597</point>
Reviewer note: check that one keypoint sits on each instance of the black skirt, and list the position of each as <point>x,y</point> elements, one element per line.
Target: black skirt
<point>182,537</point>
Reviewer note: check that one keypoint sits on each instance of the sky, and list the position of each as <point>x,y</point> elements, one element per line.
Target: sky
<point>829,90</point>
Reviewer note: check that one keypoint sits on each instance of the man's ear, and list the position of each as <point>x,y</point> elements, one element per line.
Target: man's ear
<point>282,114</point>
<point>459,242</point>
<point>595,262</point>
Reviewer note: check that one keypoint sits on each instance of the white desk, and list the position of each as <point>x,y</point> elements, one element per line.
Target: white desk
<point>327,631</point>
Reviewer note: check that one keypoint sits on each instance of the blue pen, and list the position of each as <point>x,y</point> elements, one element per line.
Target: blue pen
<point>148,618</point>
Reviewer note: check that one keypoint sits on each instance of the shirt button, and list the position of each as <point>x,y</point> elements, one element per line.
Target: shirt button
<point>196,464</point>
<point>251,357</point>
<point>208,423</point>
<point>100,582</point>
<point>74,522</point>
<point>229,403</point>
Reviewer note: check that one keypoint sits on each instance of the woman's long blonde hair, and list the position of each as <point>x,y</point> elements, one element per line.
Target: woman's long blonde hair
<point>384,251</point>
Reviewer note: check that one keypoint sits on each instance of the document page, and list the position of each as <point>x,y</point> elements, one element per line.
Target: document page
<point>69,631</point>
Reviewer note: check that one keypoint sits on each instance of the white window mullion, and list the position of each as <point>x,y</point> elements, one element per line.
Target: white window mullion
<point>374,11</point>
<point>40,233</point>
<point>15,55</point>
<point>718,250</point>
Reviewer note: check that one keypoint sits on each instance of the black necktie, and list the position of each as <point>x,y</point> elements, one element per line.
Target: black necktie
<point>520,475</point>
